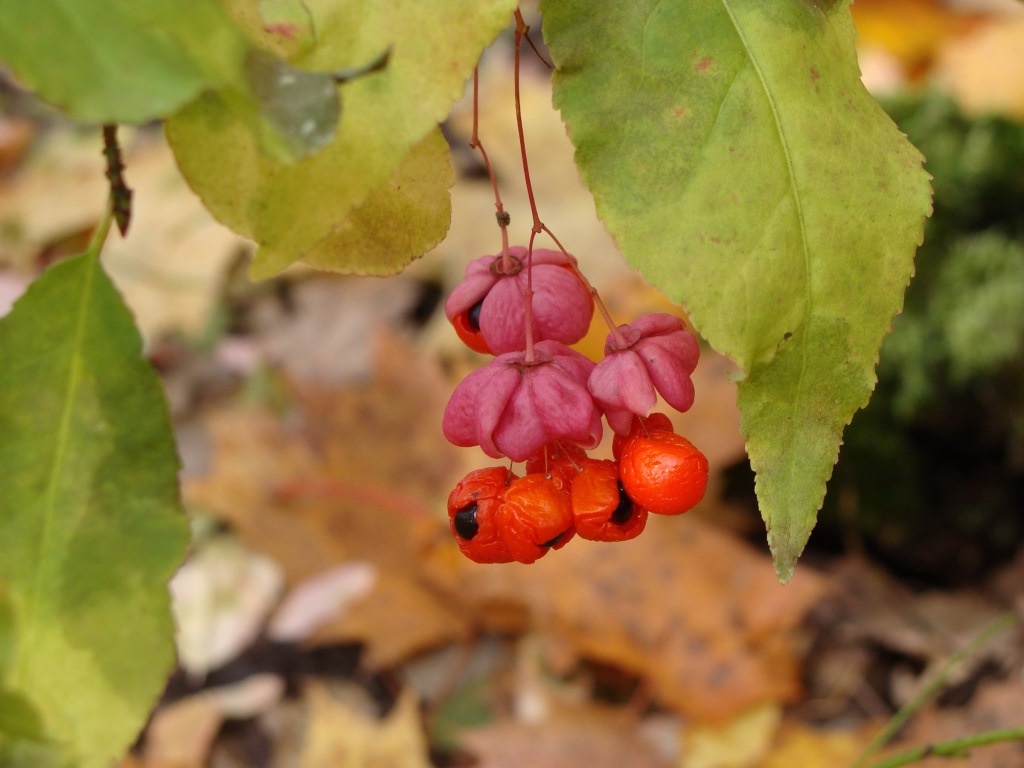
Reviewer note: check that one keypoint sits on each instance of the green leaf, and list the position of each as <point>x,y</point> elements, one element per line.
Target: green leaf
<point>120,60</point>
<point>289,209</point>
<point>741,165</point>
<point>406,216</point>
<point>91,527</point>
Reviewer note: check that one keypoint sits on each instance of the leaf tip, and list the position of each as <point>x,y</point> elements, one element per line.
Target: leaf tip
<point>786,550</point>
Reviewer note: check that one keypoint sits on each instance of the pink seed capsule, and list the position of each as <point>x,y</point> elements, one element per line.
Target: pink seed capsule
<point>514,408</point>
<point>488,309</point>
<point>656,355</point>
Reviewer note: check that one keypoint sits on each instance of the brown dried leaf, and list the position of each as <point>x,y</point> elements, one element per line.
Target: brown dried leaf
<point>170,265</point>
<point>590,739</point>
<point>181,734</point>
<point>996,705</point>
<point>327,333</point>
<point>929,627</point>
<point>694,611</point>
<point>352,480</point>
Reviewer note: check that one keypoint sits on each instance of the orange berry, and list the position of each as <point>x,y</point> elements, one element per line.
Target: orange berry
<point>664,473</point>
<point>642,425</point>
<point>473,514</point>
<point>536,516</point>
<point>601,508</point>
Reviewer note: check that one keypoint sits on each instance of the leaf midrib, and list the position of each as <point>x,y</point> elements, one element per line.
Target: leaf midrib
<point>791,176</point>
<point>74,380</point>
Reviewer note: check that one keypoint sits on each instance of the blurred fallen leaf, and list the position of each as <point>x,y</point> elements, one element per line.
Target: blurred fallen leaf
<point>589,738</point>
<point>339,737</point>
<point>171,264</point>
<point>319,599</point>
<point>220,598</point>
<point>59,190</point>
<point>928,628</point>
<point>691,609</point>
<point>12,285</point>
<point>911,30</point>
<point>16,134</point>
<point>739,743</point>
<point>984,71</point>
<point>182,733</point>
<point>325,335</point>
<point>356,477</point>
<point>996,705</point>
<point>799,746</point>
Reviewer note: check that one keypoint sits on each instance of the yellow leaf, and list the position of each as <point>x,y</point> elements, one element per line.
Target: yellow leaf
<point>801,747</point>
<point>340,737</point>
<point>739,743</point>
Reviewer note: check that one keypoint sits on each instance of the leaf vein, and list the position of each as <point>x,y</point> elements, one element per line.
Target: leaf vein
<point>59,458</point>
<point>801,221</point>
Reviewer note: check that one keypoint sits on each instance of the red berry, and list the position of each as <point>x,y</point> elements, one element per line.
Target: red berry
<point>664,473</point>
<point>602,510</point>
<point>473,514</point>
<point>642,425</point>
<point>536,516</point>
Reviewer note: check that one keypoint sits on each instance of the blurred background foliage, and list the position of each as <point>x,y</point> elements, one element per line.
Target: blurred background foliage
<point>931,475</point>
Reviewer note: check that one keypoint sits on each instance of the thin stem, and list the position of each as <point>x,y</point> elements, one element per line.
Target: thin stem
<point>620,340</point>
<point>538,226</point>
<point>99,235</point>
<point>522,29</point>
<point>503,218</point>
<point>529,356</point>
<point>952,748</point>
<point>899,719</point>
<point>540,56</point>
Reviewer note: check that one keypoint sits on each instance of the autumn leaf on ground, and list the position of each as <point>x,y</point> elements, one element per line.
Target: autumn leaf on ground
<point>590,739</point>
<point>911,30</point>
<point>337,736</point>
<point>799,746</point>
<point>984,71</point>
<point>687,607</point>
<point>742,741</point>
<point>351,482</point>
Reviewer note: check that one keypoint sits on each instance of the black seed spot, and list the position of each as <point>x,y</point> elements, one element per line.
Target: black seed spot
<point>466,525</point>
<point>473,315</point>
<point>553,541</point>
<point>624,511</point>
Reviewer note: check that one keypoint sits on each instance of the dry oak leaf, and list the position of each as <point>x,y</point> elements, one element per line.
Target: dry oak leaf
<point>694,611</point>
